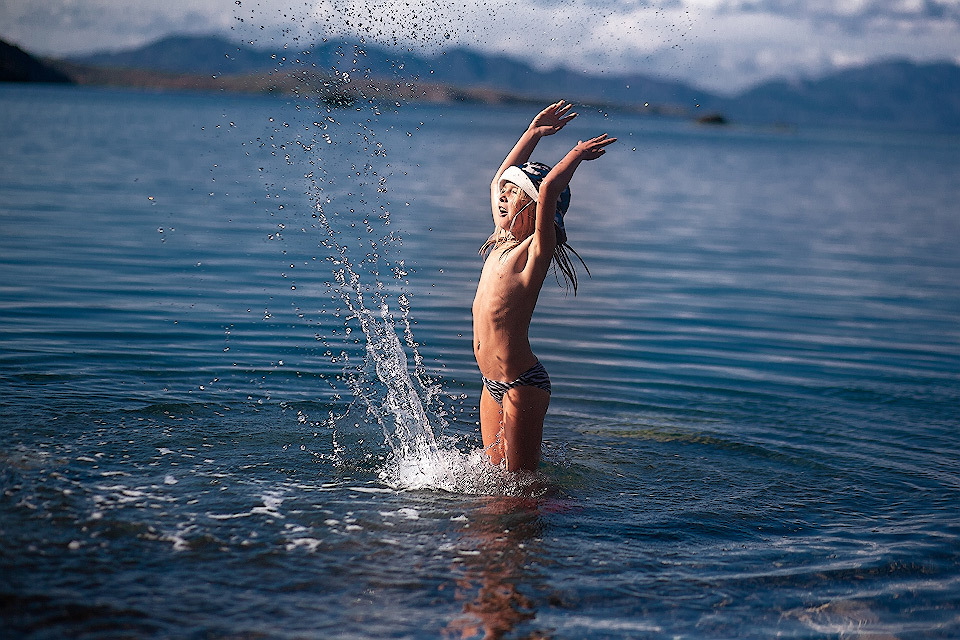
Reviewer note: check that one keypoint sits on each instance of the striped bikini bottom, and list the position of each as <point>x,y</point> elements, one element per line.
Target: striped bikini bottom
<point>535,376</point>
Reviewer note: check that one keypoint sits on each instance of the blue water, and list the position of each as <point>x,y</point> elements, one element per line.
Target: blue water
<point>754,424</point>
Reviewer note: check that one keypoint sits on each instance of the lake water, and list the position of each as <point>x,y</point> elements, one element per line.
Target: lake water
<point>238,398</point>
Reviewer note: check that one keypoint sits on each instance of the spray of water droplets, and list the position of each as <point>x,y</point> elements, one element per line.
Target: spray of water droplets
<point>338,149</point>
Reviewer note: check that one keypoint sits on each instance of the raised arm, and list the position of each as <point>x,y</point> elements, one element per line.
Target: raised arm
<point>546,123</point>
<point>559,177</point>
<point>554,184</point>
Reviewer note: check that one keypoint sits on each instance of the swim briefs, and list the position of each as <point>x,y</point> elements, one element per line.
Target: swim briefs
<point>535,376</point>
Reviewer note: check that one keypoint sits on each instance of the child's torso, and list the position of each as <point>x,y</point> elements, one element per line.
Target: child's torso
<point>502,310</point>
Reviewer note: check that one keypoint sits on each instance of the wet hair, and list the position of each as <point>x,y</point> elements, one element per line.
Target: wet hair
<point>562,263</point>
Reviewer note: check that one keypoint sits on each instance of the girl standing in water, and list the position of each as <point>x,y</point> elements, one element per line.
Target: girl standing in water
<point>529,200</point>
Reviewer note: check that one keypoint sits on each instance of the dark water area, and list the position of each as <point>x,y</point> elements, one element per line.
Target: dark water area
<point>753,430</point>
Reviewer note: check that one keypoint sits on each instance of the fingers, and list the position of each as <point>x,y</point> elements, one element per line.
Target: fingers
<point>562,114</point>
<point>602,140</point>
<point>594,147</point>
<point>556,109</point>
<point>561,107</point>
<point>561,110</point>
<point>554,117</point>
<point>599,142</point>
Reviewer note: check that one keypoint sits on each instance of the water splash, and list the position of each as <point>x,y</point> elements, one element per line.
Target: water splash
<point>399,401</point>
<point>351,212</point>
<point>418,458</point>
<point>396,405</point>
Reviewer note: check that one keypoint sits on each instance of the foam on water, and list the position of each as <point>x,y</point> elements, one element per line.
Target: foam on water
<point>450,469</point>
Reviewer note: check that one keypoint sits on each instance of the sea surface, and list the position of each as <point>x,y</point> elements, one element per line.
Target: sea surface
<point>238,398</point>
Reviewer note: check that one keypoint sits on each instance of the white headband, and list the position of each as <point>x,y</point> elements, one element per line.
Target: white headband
<point>516,175</point>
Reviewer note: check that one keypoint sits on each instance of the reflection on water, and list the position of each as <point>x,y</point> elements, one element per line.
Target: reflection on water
<point>844,618</point>
<point>501,545</point>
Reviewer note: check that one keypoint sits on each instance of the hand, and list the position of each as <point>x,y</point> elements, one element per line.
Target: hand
<point>553,118</point>
<point>594,147</point>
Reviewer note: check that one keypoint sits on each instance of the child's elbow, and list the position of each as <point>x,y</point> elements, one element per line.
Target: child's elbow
<point>550,189</point>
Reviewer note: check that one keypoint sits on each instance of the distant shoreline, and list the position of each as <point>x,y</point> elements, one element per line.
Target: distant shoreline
<point>324,88</point>
<point>333,90</point>
<point>896,94</point>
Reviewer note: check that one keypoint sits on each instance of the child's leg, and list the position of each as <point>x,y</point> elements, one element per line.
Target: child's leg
<point>490,427</point>
<point>524,409</point>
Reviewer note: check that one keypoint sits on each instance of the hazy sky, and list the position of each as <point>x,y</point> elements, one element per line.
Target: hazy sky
<point>717,44</point>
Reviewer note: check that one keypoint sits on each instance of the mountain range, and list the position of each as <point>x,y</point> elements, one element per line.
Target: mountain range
<point>16,65</point>
<point>894,93</point>
<point>459,67</point>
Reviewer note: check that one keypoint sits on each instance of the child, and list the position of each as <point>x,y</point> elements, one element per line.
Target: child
<point>528,202</point>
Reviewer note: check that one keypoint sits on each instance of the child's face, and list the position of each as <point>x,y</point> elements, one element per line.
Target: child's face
<point>515,204</point>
